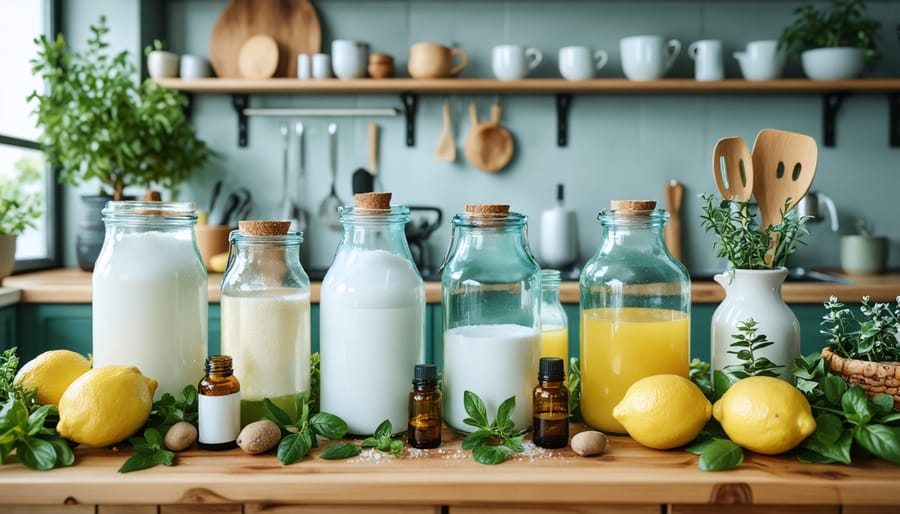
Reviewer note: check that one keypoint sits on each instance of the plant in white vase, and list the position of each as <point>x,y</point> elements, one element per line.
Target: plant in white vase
<point>20,207</point>
<point>753,281</point>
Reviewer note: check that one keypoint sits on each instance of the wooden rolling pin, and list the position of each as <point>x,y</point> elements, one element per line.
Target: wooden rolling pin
<point>674,197</point>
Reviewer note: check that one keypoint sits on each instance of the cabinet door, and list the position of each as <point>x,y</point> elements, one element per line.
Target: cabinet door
<point>53,326</point>
<point>8,327</point>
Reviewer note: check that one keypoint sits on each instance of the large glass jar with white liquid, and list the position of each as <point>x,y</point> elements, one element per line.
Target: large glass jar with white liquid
<point>491,295</point>
<point>372,318</point>
<point>265,316</point>
<point>150,293</point>
<point>635,310</point>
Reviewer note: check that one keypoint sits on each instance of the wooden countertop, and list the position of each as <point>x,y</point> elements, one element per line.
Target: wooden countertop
<point>627,474</point>
<point>69,285</point>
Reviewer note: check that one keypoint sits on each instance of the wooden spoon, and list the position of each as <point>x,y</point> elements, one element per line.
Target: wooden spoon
<point>672,231</point>
<point>489,146</point>
<point>732,163</point>
<point>446,147</point>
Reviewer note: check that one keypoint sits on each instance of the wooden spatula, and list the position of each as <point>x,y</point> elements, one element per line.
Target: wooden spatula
<point>672,232</point>
<point>733,169</point>
<point>446,146</point>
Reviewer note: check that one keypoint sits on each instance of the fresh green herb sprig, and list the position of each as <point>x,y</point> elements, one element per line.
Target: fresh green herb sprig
<point>872,337</point>
<point>148,452</point>
<point>502,429</point>
<point>742,241</point>
<point>37,446</point>
<point>9,364</point>
<point>299,434</point>
<point>745,347</point>
<point>382,440</point>
<point>848,422</point>
<point>165,412</point>
<point>574,390</point>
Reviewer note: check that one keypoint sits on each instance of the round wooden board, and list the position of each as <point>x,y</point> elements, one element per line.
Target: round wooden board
<point>292,23</point>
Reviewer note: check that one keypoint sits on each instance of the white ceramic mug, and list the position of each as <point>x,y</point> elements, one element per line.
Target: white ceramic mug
<point>761,60</point>
<point>648,57</point>
<point>349,59</point>
<point>580,62</point>
<point>162,64</point>
<point>194,67</point>
<point>321,66</point>
<point>707,56</point>
<point>304,66</point>
<point>513,62</point>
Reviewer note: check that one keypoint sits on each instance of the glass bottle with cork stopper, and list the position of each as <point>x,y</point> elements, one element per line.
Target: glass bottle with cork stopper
<point>491,295</point>
<point>424,430</point>
<point>218,405</point>
<point>635,310</point>
<point>266,315</point>
<point>554,322</point>
<point>372,317</point>
<point>551,405</point>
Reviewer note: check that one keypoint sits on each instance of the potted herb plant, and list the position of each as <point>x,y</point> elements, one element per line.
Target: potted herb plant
<point>19,208</point>
<point>101,122</point>
<point>834,42</point>
<point>863,252</point>
<point>753,281</point>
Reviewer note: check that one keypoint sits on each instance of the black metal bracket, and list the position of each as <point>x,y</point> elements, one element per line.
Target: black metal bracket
<point>241,102</point>
<point>830,108</point>
<point>563,103</point>
<point>894,115</point>
<point>410,105</point>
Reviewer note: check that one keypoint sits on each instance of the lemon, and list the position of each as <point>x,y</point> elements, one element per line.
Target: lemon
<point>765,415</point>
<point>105,405</point>
<point>663,411</point>
<point>51,373</point>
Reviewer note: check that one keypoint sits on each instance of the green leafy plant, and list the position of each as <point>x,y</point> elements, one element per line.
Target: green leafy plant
<point>165,412</point>
<point>299,434</point>
<point>574,385</point>
<point>742,241</point>
<point>101,122</point>
<point>745,347</point>
<point>840,24</point>
<point>872,336</point>
<point>382,440</point>
<point>19,207</point>
<point>148,452</point>
<point>9,364</point>
<point>492,441</point>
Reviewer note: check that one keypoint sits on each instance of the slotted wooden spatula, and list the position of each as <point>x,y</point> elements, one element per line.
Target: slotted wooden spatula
<point>733,169</point>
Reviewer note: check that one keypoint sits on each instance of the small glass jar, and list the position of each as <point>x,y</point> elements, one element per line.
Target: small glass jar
<point>150,293</point>
<point>372,318</point>
<point>218,405</point>
<point>551,405</point>
<point>554,322</point>
<point>265,316</point>
<point>491,296</point>
<point>635,310</point>
<point>424,427</point>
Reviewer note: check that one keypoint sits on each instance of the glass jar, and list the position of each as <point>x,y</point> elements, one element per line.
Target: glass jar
<point>554,322</point>
<point>265,317</point>
<point>372,318</point>
<point>635,310</point>
<point>491,295</point>
<point>150,293</point>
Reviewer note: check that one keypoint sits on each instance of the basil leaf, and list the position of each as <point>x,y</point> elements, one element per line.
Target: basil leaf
<point>36,453</point>
<point>304,414</point>
<point>700,443</point>
<point>884,403</point>
<point>828,428</point>
<point>505,427</point>
<point>164,457</point>
<point>36,420</point>
<point>815,449</point>
<point>369,442</point>
<point>13,415</point>
<point>5,449</point>
<point>397,447</point>
<point>477,438</point>
<point>888,418</point>
<point>384,429</point>
<point>882,441</point>
<point>515,444</point>
<point>505,410</point>
<point>721,382</point>
<point>154,439</point>
<point>834,388</point>
<point>64,454</point>
<point>476,409</point>
<point>340,451</point>
<point>328,425</point>
<point>384,444</point>
<point>138,461</point>
<point>309,438</point>
<point>490,454</point>
<point>857,406</point>
<point>292,448</point>
<point>275,414</point>
<point>721,455</point>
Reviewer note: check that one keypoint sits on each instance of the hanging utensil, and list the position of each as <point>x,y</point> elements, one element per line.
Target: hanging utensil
<point>672,231</point>
<point>328,209</point>
<point>489,146</point>
<point>288,208</point>
<point>446,146</point>
<point>733,169</point>
<point>302,215</point>
<point>373,148</point>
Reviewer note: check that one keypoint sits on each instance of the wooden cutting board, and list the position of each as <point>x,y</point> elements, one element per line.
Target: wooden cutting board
<point>292,23</point>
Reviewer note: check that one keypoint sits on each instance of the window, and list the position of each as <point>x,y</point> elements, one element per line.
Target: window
<point>23,22</point>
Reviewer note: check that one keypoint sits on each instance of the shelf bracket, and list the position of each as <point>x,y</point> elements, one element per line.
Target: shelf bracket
<point>830,108</point>
<point>241,102</point>
<point>410,105</point>
<point>563,102</point>
<point>894,118</point>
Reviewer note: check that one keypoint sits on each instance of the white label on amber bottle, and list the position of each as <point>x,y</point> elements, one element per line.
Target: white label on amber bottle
<point>219,418</point>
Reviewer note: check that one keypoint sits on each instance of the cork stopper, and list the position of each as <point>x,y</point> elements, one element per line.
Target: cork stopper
<point>264,228</point>
<point>152,196</point>
<point>632,205</point>
<point>373,200</point>
<point>487,209</point>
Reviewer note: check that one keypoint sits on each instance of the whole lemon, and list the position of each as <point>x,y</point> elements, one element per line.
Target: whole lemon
<point>765,415</point>
<point>663,411</point>
<point>51,373</point>
<point>105,405</point>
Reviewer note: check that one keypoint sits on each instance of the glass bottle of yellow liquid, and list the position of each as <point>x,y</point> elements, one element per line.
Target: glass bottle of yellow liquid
<point>635,310</point>
<point>554,323</point>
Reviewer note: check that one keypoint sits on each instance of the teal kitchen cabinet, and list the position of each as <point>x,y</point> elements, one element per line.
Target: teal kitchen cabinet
<point>51,326</point>
<point>8,326</point>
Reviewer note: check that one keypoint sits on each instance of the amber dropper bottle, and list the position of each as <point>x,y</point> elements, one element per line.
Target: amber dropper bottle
<point>551,405</point>
<point>218,405</point>
<point>424,430</point>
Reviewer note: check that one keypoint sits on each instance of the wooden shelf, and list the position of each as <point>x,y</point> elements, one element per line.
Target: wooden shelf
<point>526,86</point>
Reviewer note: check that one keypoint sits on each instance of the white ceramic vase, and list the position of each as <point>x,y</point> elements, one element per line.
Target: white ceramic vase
<point>7,254</point>
<point>755,294</point>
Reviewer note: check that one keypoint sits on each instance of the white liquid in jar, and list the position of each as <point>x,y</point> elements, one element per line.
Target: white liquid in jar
<point>372,317</point>
<point>494,362</point>
<point>267,336</point>
<point>150,305</point>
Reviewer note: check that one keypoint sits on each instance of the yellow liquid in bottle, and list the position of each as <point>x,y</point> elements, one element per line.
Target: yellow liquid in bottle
<point>555,343</point>
<point>621,346</point>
